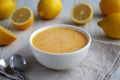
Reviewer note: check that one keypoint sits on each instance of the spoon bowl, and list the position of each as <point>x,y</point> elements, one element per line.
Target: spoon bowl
<point>18,63</point>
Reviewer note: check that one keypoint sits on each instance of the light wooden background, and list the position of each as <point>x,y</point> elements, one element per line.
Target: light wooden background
<point>64,18</point>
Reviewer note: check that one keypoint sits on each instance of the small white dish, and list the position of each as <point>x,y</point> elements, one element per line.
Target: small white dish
<point>60,61</point>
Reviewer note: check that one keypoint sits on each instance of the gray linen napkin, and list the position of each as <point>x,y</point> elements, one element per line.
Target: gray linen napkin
<point>114,71</point>
<point>102,58</point>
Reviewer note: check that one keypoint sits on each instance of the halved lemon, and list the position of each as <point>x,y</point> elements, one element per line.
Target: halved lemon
<point>82,13</point>
<point>6,36</point>
<point>22,18</point>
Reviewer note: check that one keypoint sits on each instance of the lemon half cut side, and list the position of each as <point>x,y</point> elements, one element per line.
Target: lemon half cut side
<point>22,18</point>
<point>82,13</point>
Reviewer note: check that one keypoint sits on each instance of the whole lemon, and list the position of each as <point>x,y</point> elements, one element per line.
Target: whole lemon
<point>111,25</point>
<point>6,8</point>
<point>110,6</point>
<point>49,9</point>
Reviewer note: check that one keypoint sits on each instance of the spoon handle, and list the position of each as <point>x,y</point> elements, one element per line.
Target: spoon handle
<point>23,76</point>
<point>7,75</point>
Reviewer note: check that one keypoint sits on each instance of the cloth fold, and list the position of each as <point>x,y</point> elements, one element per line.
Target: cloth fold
<point>115,66</point>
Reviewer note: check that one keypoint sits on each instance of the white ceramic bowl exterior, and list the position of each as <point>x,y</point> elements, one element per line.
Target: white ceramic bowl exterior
<point>61,61</point>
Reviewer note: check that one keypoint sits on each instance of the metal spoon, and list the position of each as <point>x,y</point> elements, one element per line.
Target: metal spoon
<point>18,64</point>
<point>3,65</point>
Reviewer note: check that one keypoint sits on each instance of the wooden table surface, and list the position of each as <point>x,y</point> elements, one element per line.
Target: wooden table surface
<point>63,18</point>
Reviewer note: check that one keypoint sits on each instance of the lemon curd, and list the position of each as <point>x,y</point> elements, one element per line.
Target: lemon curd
<point>59,40</point>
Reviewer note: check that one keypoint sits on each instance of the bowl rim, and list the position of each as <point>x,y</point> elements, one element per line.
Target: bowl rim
<point>61,26</point>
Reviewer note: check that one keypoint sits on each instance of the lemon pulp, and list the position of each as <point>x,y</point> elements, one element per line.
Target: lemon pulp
<point>82,13</point>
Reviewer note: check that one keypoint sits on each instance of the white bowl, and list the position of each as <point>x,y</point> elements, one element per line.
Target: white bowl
<point>60,61</point>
